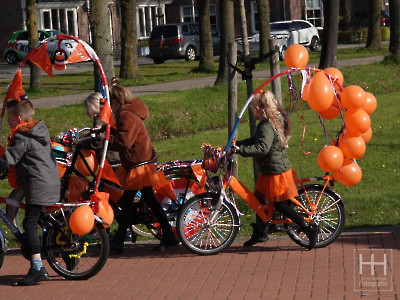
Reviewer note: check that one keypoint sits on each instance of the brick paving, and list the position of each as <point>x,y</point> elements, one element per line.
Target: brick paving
<point>277,269</point>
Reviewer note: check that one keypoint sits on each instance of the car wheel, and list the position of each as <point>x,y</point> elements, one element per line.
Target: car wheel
<point>282,53</point>
<point>11,57</point>
<point>158,61</point>
<point>314,45</point>
<point>190,54</point>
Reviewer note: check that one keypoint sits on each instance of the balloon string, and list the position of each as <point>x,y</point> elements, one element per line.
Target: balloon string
<point>303,135</point>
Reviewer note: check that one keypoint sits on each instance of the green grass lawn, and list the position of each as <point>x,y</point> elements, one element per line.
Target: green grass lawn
<point>181,121</point>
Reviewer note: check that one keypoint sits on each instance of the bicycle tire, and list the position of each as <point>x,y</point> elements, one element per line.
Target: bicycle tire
<point>72,256</point>
<point>178,174</point>
<point>329,215</point>
<point>194,230</point>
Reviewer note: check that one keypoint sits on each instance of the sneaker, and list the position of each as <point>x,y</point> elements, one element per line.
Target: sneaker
<point>34,276</point>
<point>312,233</point>
<point>165,243</point>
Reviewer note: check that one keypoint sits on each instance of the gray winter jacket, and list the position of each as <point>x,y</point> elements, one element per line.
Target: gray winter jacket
<point>31,154</point>
<point>266,148</point>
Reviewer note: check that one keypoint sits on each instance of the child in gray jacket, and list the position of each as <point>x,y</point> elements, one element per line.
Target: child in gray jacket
<point>31,165</point>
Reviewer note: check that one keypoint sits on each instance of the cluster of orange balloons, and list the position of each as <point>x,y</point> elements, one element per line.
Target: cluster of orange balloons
<point>325,94</point>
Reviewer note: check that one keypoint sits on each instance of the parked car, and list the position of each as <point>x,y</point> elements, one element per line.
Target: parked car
<point>385,18</point>
<point>300,32</point>
<point>254,45</point>
<point>17,47</point>
<point>178,40</point>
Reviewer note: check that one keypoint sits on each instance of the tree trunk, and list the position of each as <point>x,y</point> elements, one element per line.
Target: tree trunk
<point>101,39</point>
<point>227,35</point>
<point>33,40</point>
<point>206,42</point>
<point>374,25</point>
<point>394,45</point>
<point>264,20</point>
<point>330,34</point>
<point>346,7</point>
<point>129,41</point>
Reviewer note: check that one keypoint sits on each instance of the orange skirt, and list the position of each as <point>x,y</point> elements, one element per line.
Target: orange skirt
<point>136,178</point>
<point>278,187</point>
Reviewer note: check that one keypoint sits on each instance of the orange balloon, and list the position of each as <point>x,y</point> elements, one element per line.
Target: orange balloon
<point>353,97</point>
<point>331,113</point>
<point>306,92</point>
<point>352,147</point>
<point>82,220</point>
<point>336,74</point>
<point>349,174</point>
<point>367,135</point>
<point>104,209</point>
<point>296,56</point>
<point>321,92</point>
<point>90,158</point>
<point>330,158</point>
<point>370,103</point>
<point>357,121</point>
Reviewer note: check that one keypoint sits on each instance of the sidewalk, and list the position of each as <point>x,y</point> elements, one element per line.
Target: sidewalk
<point>183,84</point>
<point>277,269</point>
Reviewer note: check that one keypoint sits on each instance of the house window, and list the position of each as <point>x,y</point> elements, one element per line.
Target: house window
<point>187,15</point>
<point>314,12</point>
<point>255,24</point>
<point>63,19</point>
<point>149,17</point>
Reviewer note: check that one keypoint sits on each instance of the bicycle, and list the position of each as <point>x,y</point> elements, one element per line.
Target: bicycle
<point>72,256</point>
<point>209,222</point>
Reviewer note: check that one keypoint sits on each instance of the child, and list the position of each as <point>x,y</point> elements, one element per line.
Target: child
<point>133,143</point>
<point>92,105</point>
<point>277,181</point>
<point>30,152</point>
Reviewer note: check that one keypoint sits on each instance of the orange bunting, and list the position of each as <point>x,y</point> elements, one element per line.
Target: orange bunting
<point>105,113</point>
<point>40,57</point>
<point>79,54</point>
<point>15,87</point>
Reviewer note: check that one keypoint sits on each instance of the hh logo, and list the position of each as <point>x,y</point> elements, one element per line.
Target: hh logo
<point>373,269</point>
<point>372,263</point>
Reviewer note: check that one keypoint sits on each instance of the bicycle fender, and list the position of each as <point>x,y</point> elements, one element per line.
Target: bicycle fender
<point>328,189</point>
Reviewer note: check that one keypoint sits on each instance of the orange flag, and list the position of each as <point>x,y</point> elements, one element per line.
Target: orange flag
<point>79,54</point>
<point>41,58</point>
<point>109,174</point>
<point>105,113</point>
<point>15,87</point>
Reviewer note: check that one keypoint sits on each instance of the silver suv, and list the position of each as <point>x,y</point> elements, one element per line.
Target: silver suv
<point>177,40</point>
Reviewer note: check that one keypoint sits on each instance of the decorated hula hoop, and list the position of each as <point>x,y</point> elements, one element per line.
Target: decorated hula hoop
<point>81,51</point>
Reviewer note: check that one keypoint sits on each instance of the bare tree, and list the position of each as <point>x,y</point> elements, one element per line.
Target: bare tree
<point>394,9</point>
<point>206,42</point>
<point>227,36</point>
<point>33,40</point>
<point>264,20</point>
<point>374,25</point>
<point>129,59</point>
<point>330,34</point>
<point>346,8</point>
<point>101,38</point>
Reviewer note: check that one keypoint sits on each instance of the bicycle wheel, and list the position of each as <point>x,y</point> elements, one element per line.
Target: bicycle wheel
<point>205,230</point>
<point>13,212</point>
<point>329,214</point>
<point>76,257</point>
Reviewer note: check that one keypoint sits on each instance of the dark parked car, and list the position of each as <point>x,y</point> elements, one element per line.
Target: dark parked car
<point>385,18</point>
<point>177,40</point>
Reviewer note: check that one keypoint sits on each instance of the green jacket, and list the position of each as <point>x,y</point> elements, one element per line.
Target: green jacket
<point>265,147</point>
